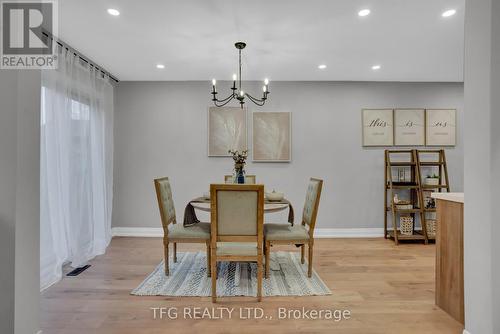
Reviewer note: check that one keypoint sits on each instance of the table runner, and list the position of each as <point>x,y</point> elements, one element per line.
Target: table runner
<point>190,217</point>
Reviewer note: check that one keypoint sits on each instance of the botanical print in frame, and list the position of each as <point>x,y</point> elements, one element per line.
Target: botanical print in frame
<point>272,136</point>
<point>409,127</point>
<point>441,127</point>
<point>227,130</point>
<point>378,129</point>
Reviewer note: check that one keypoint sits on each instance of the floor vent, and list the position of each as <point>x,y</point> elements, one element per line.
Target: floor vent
<point>78,271</point>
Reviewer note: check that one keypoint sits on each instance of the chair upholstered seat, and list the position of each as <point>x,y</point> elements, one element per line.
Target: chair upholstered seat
<point>197,231</point>
<point>237,248</point>
<point>285,232</point>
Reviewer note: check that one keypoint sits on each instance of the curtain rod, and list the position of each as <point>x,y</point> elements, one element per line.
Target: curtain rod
<point>76,53</point>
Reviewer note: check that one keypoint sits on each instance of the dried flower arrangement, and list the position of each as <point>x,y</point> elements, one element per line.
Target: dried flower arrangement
<point>239,160</point>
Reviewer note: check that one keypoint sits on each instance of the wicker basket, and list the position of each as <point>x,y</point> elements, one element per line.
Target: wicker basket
<point>406,225</point>
<point>430,225</point>
<point>404,205</point>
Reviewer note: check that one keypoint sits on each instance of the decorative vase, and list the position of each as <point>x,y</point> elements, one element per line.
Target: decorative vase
<point>240,176</point>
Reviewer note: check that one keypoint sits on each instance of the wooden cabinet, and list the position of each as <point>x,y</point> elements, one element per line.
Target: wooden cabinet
<point>450,255</point>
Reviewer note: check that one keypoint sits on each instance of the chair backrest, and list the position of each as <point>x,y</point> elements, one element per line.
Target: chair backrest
<point>312,202</point>
<point>165,201</point>
<point>249,179</point>
<point>237,213</point>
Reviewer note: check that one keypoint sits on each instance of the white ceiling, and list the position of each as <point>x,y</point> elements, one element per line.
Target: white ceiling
<point>286,39</point>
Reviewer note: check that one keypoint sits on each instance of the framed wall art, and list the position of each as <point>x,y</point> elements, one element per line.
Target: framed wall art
<point>227,130</point>
<point>272,136</point>
<point>378,127</point>
<point>409,127</point>
<point>441,127</point>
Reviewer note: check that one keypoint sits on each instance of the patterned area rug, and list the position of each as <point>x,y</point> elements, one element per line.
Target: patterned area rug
<point>188,277</point>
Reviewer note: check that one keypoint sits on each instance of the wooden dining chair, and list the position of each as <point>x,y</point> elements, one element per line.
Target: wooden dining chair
<point>249,179</point>
<point>177,233</point>
<point>302,234</point>
<point>237,213</point>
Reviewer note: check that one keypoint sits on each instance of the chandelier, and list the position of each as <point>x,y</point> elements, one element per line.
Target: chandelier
<point>237,92</point>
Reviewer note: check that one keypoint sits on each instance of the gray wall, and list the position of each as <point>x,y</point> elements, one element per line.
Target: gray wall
<point>161,130</point>
<point>482,168</point>
<point>8,154</point>
<point>28,203</point>
<point>19,201</point>
<point>495,163</point>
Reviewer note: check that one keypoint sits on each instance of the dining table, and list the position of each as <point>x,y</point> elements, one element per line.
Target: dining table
<point>203,204</point>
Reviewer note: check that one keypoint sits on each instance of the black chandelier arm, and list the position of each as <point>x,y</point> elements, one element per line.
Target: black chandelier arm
<point>222,103</point>
<point>229,98</point>
<point>259,102</point>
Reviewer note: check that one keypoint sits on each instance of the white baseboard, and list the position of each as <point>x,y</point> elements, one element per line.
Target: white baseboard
<point>349,233</point>
<point>154,232</point>
<point>318,233</point>
<point>465,331</point>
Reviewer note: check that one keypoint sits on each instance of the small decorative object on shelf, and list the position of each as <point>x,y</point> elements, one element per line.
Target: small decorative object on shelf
<point>432,180</point>
<point>404,175</point>
<point>430,203</point>
<point>239,165</point>
<point>406,225</point>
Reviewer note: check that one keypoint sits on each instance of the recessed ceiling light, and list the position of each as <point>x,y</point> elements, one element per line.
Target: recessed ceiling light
<point>322,66</point>
<point>449,12</point>
<point>114,12</point>
<point>160,66</point>
<point>364,12</point>
<point>376,67</point>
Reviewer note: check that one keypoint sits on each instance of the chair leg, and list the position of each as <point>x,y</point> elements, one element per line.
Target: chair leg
<point>310,260</point>
<point>259,278</point>
<point>268,251</point>
<point>302,253</point>
<point>209,263</point>
<point>213,264</point>
<point>165,256</point>
<point>175,252</point>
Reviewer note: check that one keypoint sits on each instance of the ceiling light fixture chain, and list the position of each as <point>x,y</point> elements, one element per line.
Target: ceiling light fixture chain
<point>238,93</point>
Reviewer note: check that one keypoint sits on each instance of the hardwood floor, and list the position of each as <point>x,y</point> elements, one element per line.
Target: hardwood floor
<point>387,289</point>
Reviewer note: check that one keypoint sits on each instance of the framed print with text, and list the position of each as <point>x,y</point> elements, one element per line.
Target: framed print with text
<point>441,127</point>
<point>378,127</point>
<point>409,127</point>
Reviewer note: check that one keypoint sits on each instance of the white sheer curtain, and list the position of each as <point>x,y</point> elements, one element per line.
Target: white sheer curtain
<point>76,166</point>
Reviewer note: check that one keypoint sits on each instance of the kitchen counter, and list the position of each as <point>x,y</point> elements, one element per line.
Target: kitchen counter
<point>450,253</point>
<point>452,197</point>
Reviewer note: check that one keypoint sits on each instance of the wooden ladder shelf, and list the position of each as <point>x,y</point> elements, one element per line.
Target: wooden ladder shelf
<point>414,186</point>
<point>432,159</point>
<point>407,161</point>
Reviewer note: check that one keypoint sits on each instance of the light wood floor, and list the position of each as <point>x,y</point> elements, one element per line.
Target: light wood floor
<point>388,289</point>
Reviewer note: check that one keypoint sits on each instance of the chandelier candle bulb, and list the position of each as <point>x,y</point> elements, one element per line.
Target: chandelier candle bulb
<point>235,77</point>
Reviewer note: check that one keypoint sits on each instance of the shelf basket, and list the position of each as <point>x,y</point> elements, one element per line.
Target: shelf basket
<point>430,225</point>
<point>404,205</point>
<point>406,225</point>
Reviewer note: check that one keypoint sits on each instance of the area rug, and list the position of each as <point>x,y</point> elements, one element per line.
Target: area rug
<point>188,277</point>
